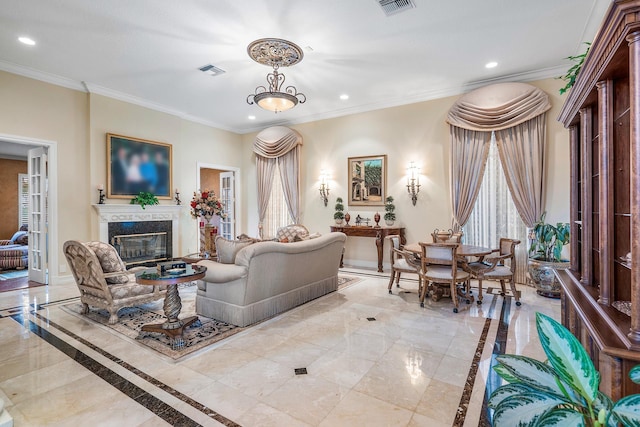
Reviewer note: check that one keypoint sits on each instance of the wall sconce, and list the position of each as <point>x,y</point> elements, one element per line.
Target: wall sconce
<point>324,188</point>
<point>413,182</point>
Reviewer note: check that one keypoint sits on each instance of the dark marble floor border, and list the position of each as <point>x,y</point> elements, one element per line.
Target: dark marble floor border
<point>499,347</point>
<point>147,400</point>
<point>463,406</point>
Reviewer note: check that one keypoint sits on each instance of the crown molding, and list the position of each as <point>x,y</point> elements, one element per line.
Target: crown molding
<point>394,102</point>
<point>131,99</point>
<point>54,79</point>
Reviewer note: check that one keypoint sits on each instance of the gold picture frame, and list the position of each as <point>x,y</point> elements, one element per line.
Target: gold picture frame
<point>135,165</point>
<point>367,180</point>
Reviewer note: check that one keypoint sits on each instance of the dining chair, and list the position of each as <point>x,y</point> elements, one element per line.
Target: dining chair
<point>493,267</point>
<point>435,275</point>
<point>401,262</point>
<point>447,236</point>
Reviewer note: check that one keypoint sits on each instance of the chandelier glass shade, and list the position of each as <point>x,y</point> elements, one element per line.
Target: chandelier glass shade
<point>275,53</point>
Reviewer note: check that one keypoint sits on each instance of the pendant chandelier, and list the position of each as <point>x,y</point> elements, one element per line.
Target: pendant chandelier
<point>275,53</point>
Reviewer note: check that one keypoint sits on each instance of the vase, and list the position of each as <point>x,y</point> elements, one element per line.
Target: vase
<point>389,222</point>
<point>339,221</point>
<point>347,218</point>
<point>376,218</point>
<point>543,277</point>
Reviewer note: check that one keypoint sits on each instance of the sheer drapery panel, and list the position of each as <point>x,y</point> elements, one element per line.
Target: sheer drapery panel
<point>277,212</point>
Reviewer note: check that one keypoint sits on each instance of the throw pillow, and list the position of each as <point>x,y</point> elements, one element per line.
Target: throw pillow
<point>17,235</point>
<point>23,240</point>
<point>227,249</point>
<point>109,261</point>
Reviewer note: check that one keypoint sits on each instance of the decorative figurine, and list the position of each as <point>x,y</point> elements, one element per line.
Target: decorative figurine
<point>177,198</point>
<point>376,218</point>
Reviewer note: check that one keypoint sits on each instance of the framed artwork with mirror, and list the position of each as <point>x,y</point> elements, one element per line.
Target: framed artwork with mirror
<point>367,180</point>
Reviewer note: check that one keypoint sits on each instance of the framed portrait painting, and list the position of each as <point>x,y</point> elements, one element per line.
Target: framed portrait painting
<point>367,180</point>
<point>135,165</point>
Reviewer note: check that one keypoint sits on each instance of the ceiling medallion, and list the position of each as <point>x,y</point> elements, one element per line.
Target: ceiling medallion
<point>275,53</point>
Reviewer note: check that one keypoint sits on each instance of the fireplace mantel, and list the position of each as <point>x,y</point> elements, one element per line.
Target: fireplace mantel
<point>133,213</point>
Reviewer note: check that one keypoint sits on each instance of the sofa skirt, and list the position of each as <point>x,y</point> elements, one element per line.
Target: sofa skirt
<point>253,313</point>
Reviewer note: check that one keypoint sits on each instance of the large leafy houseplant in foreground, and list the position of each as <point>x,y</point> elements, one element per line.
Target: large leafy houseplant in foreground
<point>563,391</point>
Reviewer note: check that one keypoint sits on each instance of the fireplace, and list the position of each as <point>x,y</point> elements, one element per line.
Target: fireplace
<point>140,236</point>
<point>141,242</point>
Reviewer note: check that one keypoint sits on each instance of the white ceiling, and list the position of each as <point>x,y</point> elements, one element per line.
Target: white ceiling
<point>148,51</point>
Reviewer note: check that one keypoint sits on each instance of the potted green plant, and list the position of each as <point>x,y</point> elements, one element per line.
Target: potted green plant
<point>143,199</point>
<point>389,209</point>
<point>339,214</point>
<point>572,73</point>
<point>563,391</point>
<point>547,242</point>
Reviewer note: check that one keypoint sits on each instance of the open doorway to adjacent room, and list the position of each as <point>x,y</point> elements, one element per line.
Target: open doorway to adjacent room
<point>224,181</point>
<point>28,197</point>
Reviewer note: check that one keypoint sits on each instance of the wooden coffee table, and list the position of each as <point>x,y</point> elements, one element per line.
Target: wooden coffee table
<point>173,326</point>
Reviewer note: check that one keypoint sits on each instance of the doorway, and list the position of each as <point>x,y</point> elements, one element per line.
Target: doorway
<point>224,181</point>
<point>41,157</point>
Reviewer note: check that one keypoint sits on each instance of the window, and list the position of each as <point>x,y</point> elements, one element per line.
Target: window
<point>23,199</point>
<point>277,212</point>
<point>495,215</point>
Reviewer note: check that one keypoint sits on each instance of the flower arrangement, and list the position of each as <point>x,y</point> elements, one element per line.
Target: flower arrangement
<point>206,204</point>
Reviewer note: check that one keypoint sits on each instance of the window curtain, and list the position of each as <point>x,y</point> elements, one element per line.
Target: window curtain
<point>470,149</point>
<point>281,145</point>
<point>522,154</point>
<point>508,107</point>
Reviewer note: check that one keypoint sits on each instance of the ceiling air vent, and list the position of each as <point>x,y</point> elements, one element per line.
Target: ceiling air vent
<point>391,7</point>
<point>212,70</point>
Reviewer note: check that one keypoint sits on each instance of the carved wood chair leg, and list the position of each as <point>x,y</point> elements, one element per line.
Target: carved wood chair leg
<point>423,293</point>
<point>480,291</point>
<point>512,285</point>
<point>504,290</point>
<point>85,308</point>
<point>398,279</point>
<point>454,296</point>
<point>393,274</point>
<point>113,319</point>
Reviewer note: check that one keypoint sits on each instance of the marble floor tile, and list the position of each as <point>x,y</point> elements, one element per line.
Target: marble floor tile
<point>408,367</point>
<point>306,398</point>
<point>358,409</point>
<point>266,416</point>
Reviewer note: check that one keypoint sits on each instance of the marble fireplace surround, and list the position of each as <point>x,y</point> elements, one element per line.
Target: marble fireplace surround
<point>134,213</point>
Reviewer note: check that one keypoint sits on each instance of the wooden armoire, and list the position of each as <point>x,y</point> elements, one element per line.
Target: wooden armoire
<point>601,291</point>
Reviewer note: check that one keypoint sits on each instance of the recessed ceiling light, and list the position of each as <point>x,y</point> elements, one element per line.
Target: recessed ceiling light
<point>26,40</point>
<point>344,96</point>
<point>251,117</point>
<point>491,64</point>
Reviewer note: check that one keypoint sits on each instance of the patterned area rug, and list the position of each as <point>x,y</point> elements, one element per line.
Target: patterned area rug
<point>345,281</point>
<point>201,334</point>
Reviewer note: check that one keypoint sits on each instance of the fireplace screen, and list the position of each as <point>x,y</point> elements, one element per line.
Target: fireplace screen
<point>141,248</point>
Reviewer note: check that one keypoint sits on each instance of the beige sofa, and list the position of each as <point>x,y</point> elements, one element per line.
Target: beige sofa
<point>268,278</point>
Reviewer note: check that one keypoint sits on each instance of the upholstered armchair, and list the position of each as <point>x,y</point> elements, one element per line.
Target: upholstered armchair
<point>493,267</point>
<point>401,262</point>
<point>103,279</point>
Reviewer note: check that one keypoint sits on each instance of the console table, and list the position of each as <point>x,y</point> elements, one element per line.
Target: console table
<point>379,233</point>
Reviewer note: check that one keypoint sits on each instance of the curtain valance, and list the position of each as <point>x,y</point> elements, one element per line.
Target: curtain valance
<point>276,141</point>
<point>498,106</point>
